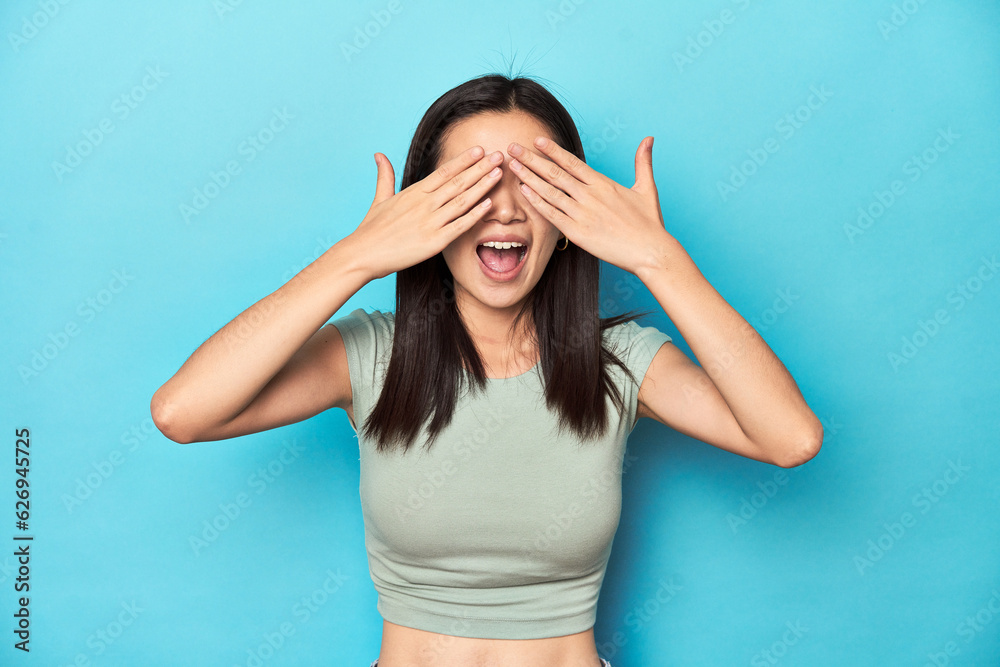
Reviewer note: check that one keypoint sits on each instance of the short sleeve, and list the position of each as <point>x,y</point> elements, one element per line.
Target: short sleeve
<point>368,341</point>
<point>636,346</point>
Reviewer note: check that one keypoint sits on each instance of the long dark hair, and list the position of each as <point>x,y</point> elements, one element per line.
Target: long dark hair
<point>432,352</point>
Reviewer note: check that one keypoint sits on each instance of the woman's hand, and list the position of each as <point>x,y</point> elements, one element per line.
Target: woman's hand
<point>404,229</point>
<point>622,226</point>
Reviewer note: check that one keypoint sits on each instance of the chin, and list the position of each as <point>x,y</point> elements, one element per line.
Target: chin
<point>499,295</point>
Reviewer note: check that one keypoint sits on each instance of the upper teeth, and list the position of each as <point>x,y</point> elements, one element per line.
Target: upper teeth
<point>504,245</point>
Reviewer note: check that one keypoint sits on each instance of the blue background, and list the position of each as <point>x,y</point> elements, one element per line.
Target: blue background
<point>817,568</point>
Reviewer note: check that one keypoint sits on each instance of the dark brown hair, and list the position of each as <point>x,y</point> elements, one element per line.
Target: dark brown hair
<point>431,348</point>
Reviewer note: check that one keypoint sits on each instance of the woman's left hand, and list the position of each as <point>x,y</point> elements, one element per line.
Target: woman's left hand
<point>623,226</point>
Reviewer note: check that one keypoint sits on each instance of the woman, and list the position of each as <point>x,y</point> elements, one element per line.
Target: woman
<point>494,405</point>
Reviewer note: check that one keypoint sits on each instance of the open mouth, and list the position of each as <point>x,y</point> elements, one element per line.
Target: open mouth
<point>501,260</point>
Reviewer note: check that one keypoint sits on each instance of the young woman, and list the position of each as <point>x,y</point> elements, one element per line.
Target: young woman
<point>493,406</point>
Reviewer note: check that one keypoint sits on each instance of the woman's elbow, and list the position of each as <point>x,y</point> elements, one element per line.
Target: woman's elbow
<point>806,449</point>
<point>164,418</point>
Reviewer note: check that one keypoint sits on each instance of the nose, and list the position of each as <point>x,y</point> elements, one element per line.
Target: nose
<point>508,204</point>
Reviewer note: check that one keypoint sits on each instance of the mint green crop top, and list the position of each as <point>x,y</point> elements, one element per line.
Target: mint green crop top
<point>503,529</point>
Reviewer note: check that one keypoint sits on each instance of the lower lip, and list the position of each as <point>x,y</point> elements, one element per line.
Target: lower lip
<point>503,277</point>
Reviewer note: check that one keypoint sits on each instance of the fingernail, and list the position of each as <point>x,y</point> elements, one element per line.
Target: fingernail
<point>515,150</point>
<point>496,157</point>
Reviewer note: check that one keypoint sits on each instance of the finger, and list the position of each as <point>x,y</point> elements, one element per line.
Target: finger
<point>546,190</point>
<point>550,212</point>
<point>385,185</point>
<point>465,199</point>
<point>548,170</point>
<point>644,166</point>
<point>464,223</point>
<point>573,165</point>
<point>451,168</point>
<point>460,183</point>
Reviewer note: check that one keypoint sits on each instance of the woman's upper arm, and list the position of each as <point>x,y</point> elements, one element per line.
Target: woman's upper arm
<point>680,394</point>
<point>314,379</point>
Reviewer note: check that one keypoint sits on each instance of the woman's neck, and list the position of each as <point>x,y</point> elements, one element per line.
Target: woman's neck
<point>503,354</point>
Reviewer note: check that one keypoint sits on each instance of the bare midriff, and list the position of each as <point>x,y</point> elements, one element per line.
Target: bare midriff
<point>408,647</point>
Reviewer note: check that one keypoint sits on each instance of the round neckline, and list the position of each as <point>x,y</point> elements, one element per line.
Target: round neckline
<point>514,377</point>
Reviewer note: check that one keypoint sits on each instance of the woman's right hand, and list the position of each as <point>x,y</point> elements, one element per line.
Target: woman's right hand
<point>404,229</point>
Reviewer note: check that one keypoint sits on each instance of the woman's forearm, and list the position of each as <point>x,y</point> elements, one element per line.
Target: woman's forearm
<point>760,392</point>
<point>229,369</point>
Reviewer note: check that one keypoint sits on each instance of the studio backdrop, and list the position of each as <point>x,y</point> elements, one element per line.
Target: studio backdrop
<point>833,169</point>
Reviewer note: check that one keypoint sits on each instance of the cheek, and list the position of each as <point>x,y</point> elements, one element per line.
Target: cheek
<point>457,253</point>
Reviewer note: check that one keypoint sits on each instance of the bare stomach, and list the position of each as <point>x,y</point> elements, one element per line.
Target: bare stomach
<point>408,647</point>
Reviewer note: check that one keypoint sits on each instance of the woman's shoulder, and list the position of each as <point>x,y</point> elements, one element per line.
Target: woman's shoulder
<point>634,344</point>
<point>627,332</point>
<point>367,316</point>
<point>364,324</point>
